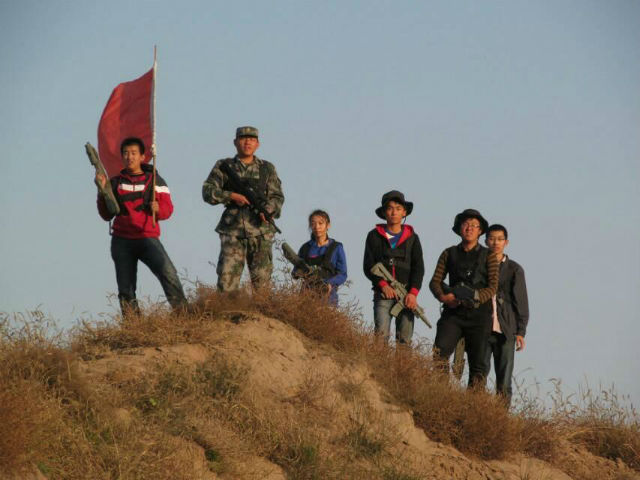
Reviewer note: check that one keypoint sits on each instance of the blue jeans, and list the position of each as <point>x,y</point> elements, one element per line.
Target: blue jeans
<point>126,252</point>
<point>382,320</point>
<point>502,348</point>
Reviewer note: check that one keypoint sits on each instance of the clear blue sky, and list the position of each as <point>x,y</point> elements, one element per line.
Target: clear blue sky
<point>527,111</point>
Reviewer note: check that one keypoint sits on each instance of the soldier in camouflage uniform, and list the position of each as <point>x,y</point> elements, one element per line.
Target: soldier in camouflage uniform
<point>244,234</point>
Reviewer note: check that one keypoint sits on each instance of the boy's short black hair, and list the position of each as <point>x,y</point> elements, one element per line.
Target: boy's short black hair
<point>127,142</point>
<point>496,227</point>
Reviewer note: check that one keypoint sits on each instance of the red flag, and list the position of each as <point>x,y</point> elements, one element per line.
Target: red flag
<point>128,113</point>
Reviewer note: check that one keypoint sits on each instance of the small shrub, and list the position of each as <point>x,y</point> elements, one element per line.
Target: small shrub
<point>301,460</point>
<point>363,442</point>
<point>215,460</point>
<point>220,379</point>
<point>350,391</point>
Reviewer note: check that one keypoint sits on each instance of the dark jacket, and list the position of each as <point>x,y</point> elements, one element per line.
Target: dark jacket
<point>405,261</point>
<point>511,300</point>
<point>486,288</point>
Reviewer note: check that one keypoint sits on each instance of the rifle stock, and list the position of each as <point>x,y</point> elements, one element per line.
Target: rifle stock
<point>105,191</point>
<point>458,359</point>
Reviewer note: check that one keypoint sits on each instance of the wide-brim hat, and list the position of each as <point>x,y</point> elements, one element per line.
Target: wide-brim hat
<point>396,196</point>
<point>469,213</point>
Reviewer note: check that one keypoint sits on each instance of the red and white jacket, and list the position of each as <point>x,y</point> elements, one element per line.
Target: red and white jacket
<point>133,193</point>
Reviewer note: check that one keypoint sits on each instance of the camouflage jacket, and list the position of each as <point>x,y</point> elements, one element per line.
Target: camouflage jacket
<point>243,221</point>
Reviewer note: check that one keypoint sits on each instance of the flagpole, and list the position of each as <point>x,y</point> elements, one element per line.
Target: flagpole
<point>153,129</point>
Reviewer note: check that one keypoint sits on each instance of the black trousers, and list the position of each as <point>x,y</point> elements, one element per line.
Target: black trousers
<point>126,252</point>
<point>472,324</point>
<point>502,348</point>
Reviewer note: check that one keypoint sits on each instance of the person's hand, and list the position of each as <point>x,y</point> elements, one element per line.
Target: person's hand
<point>450,300</point>
<point>263,218</point>
<point>155,207</point>
<point>410,301</point>
<point>388,292</point>
<point>520,343</point>
<point>101,180</point>
<point>239,199</point>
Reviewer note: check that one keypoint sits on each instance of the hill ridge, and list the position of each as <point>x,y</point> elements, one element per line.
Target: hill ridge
<point>233,392</point>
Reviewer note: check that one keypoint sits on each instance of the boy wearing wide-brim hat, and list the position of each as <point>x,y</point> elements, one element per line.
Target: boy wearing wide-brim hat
<point>471,268</point>
<point>398,248</point>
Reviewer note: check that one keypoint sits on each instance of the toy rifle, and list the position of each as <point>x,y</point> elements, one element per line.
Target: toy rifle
<point>379,270</point>
<point>105,191</point>
<point>310,273</point>
<point>297,261</point>
<point>466,295</point>
<point>458,359</point>
<point>257,200</point>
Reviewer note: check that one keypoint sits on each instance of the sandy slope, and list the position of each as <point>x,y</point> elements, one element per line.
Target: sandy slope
<point>292,376</point>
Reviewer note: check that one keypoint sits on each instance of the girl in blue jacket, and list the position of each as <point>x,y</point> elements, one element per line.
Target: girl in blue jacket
<point>325,256</point>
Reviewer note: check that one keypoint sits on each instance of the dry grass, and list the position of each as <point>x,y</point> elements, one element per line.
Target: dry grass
<point>601,421</point>
<point>161,423</point>
<point>598,420</point>
<point>474,422</point>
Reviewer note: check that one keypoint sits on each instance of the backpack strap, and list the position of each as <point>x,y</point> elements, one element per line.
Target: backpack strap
<point>478,277</point>
<point>304,250</point>
<point>264,174</point>
<point>328,268</point>
<point>146,194</point>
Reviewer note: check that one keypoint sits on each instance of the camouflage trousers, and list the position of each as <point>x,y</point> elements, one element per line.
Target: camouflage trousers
<point>234,251</point>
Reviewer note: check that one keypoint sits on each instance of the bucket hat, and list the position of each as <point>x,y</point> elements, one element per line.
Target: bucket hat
<point>397,196</point>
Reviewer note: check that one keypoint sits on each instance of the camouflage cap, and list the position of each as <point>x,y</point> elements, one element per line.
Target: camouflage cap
<point>246,132</point>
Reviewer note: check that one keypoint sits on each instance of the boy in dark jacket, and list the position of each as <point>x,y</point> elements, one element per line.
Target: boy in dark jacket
<point>473,276</point>
<point>135,237</point>
<point>510,313</point>
<point>398,247</point>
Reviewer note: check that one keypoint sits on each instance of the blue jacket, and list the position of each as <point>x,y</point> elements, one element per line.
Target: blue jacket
<point>338,260</point>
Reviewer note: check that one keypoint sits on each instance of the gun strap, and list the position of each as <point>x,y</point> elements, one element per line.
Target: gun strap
<point>145,194</point>
<point>264,178</point>
<point>398,258</point>
<point>473,272</point>
<point>263,175</point>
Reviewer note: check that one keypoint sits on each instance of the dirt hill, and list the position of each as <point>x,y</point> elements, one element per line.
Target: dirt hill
<point>263,388</point>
